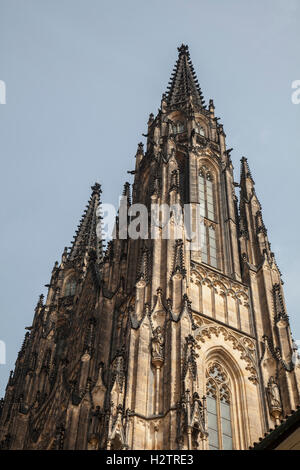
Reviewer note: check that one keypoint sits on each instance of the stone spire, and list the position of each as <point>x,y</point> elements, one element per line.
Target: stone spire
<point>247,182</point>
<point>88,233</point>
<point>244,196</point>
<point>183,83</point>
<point>126,192</point>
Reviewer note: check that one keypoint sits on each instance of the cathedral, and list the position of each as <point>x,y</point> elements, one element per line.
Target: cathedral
<point>157,342</point>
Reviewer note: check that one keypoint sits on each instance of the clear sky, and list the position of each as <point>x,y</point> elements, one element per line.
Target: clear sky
<point>82,77</point>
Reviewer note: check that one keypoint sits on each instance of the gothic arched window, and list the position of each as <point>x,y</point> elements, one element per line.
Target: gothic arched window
<point>218,408</point>
<point>208,218</point>
<point>70,287</point>
<point>178,127</point>
<point>206,195</point>
<point>212,246</point>
<point>199,129</point>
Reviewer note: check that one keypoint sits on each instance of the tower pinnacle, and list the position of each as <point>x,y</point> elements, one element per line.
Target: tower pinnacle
<point>87,233</point>
<point>183,83</point>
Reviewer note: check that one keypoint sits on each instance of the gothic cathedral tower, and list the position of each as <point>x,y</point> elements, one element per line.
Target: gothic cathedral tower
<point>160,342</point>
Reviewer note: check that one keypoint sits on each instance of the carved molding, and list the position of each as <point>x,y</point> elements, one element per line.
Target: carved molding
<point>239,342</point>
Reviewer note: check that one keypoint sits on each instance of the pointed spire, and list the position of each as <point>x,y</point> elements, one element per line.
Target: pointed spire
<point>178,259</point>
<point>211,108</point>
<point>140,149</point>
<point>126,192</point>
<point>247,184</point>
<point>279,305</point>
<point>151,119</point>
<point>139,156</point>
<point>245,193</point>
<point>24,345</point>
<point>88,233</point>
<point>183,82</point>
<point>40,302</point>
<point>245,170</point>
<point>248,198</point>
<point>64,256</point>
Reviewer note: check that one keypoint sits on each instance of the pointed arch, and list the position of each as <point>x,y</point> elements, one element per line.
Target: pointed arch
<point>209,213</point>
<point>178,127</point>
<point>230,394</point>
<point>200,128</point>
<point>69,285</point>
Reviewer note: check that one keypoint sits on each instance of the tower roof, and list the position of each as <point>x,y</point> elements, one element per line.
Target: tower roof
<point>88,233</point>
<point>183,82</point>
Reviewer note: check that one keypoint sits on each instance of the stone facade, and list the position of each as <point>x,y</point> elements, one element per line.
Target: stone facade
<point>153,344</point>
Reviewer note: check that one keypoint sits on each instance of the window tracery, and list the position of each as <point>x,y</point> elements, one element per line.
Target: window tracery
<point>178,127</point>
<point>70,287</point>
<point>218,408</point>
<point>199,129</point>
<point>208,218</point>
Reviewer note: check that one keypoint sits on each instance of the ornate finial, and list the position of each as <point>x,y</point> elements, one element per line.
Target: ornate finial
<point>151,119</point>
<point>96,188</point>
<point>40,302</point>
<point>178,264</point>
<point>187,301</point>
<point>144,265</point>
<point>183,49</point>
<point>64,255</point>
<point>140,148</point>
<point>126,188</point>
<point>245,171</point>
<point>147,308</point>
<point>126,191</point>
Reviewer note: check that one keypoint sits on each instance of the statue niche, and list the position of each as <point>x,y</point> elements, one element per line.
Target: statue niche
<point>157,346</point>
<point>274,399</point>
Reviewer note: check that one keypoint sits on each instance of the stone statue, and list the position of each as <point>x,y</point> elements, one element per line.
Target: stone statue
<point>274,394</point>
<point>158,343</point>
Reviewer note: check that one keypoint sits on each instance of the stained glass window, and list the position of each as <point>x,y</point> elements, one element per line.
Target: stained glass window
<point>178,127</point>
<point>208,218</point>
<point>218,409</point>
<point>199,129</point>
<point>70,287</point>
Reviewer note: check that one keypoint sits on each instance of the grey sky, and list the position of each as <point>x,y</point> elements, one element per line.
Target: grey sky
<point>82,77</point>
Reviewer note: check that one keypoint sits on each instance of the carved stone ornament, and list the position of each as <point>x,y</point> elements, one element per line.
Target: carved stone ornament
<point>157,346</point>
<point>274,399</point>
<point>206,329</point>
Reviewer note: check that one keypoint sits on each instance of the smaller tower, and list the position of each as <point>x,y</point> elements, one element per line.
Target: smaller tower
<point>280,373</point>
